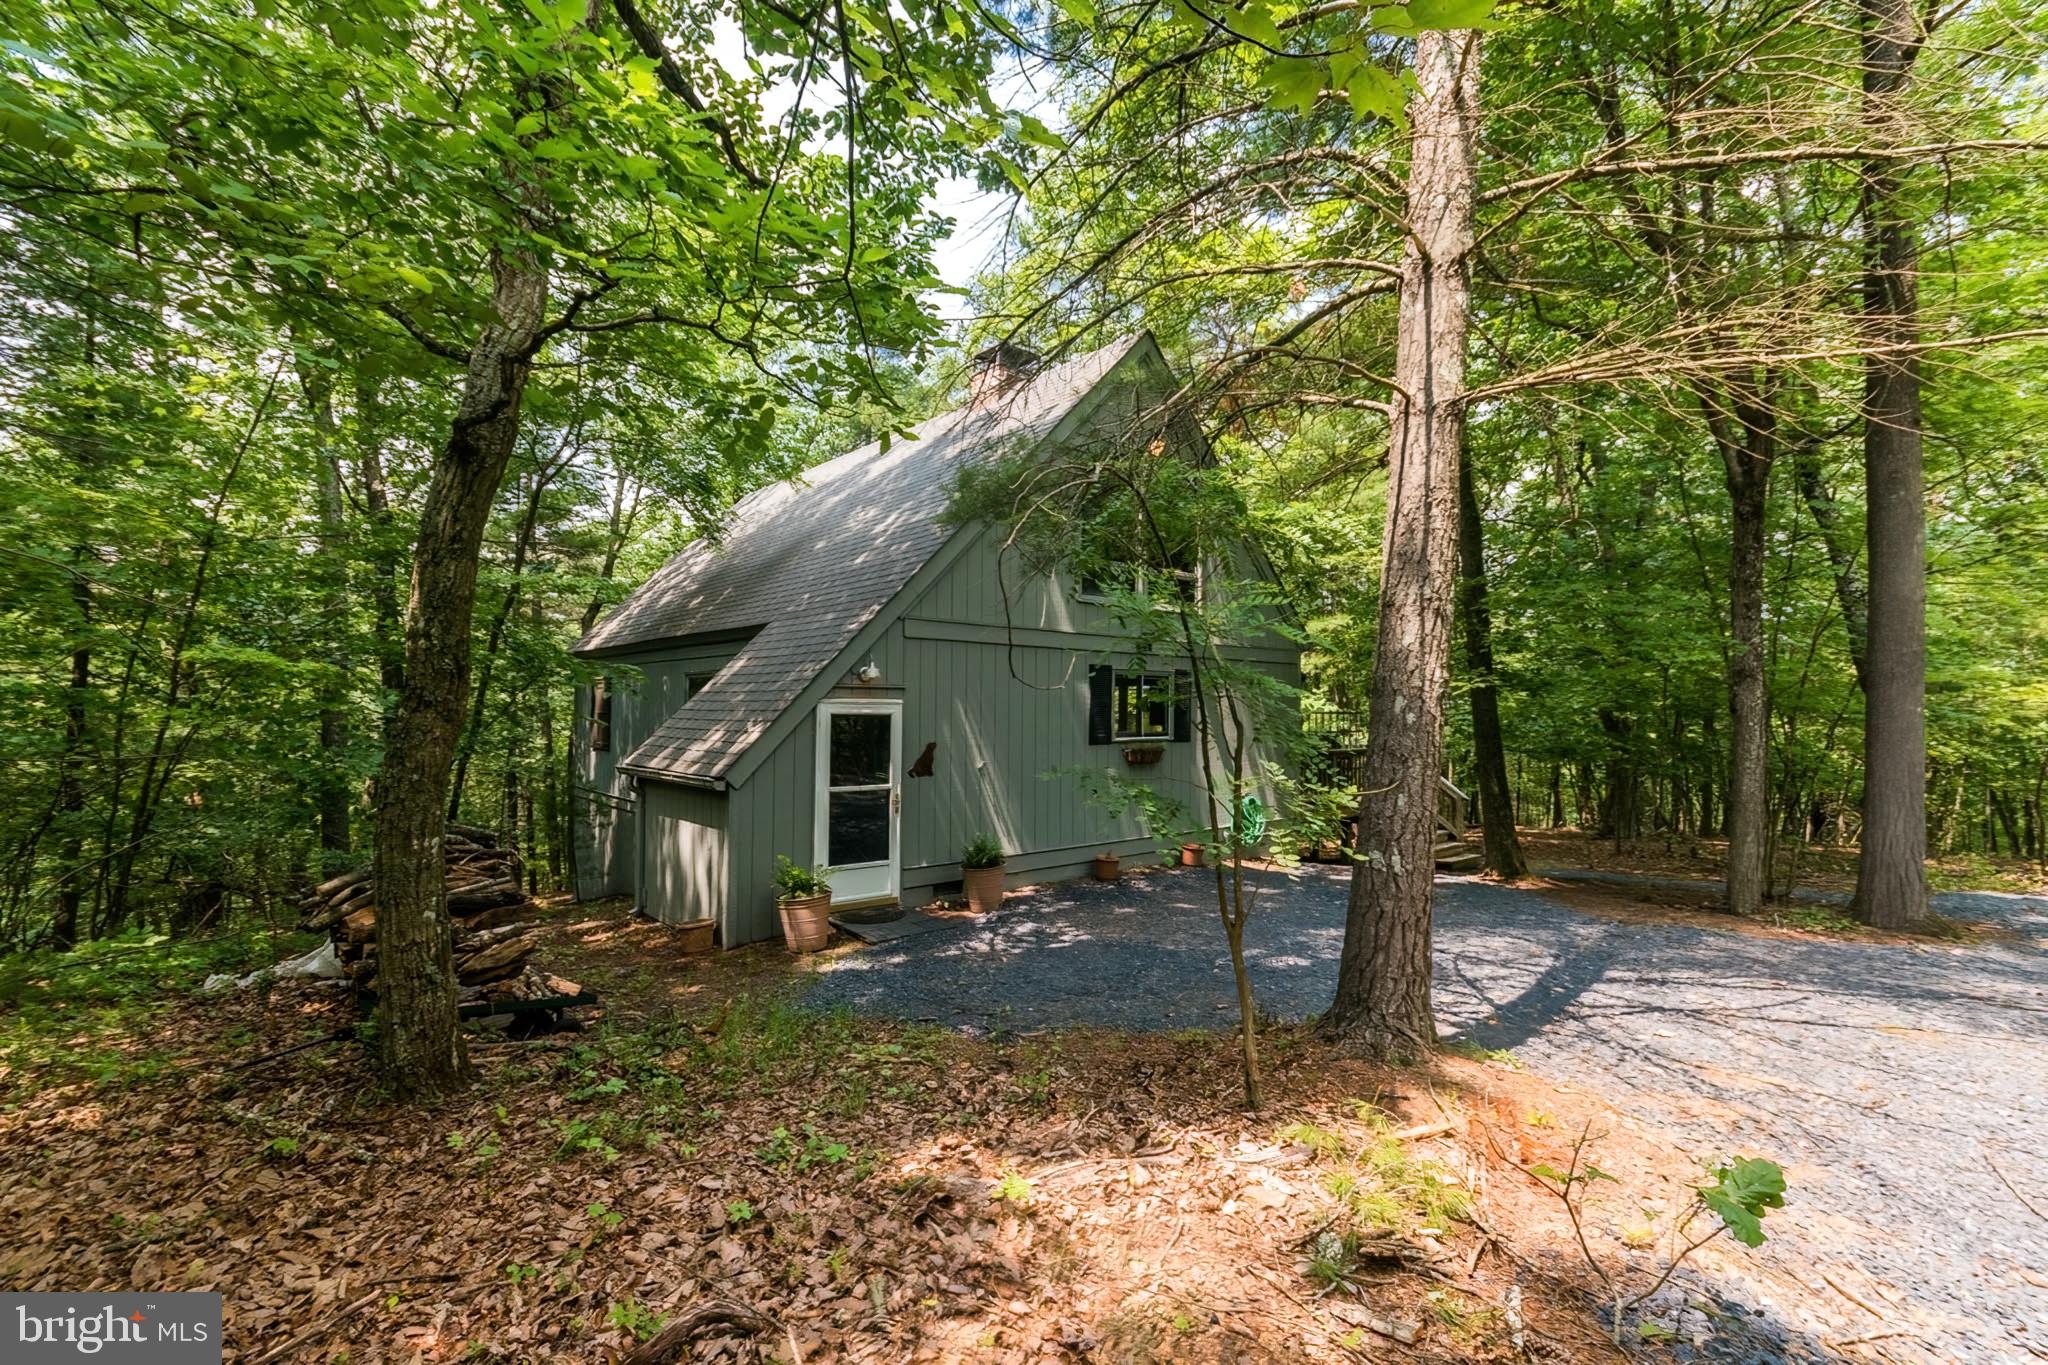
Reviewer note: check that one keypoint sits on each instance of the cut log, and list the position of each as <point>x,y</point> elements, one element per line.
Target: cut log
<point>468,943</point>
<point>475,920</point>
<point>484,896</point>
<point>502,958</point>
<point>340,883</point>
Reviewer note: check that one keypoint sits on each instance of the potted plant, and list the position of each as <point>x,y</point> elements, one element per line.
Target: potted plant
<point>1143,755</point>
<point>981,873</point>
<point>1191,854</point>
<point>805,899</point>
<point>696,936</point>
<point>1107,865</point>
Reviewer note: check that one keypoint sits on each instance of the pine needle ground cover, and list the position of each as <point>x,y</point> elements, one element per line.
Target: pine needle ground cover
<point>874,1191</point>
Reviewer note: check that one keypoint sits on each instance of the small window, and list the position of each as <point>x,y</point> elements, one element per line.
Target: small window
<point>1144,706</point>
<point>693,683</point>
<point>601,715</point>
<point>1180,583</point>
<point>1095,585</point>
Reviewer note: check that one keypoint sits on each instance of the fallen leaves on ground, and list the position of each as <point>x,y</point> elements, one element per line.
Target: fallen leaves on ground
<point>876,1192</point>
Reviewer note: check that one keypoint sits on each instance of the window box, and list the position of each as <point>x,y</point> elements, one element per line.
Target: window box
<point>1143,755</point>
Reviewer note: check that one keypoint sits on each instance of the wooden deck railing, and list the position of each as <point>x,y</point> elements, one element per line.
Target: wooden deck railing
<point>1342,732</point>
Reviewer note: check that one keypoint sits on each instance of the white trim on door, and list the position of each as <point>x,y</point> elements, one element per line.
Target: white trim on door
<point>866,882</point>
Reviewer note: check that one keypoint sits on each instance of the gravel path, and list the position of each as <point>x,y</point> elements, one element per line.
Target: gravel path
<point>1901,1087</point>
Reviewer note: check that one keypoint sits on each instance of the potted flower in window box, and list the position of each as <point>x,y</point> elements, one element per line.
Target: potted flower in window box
<point>1143,755</point>
<point>805,899</point>
<point>981,873</point>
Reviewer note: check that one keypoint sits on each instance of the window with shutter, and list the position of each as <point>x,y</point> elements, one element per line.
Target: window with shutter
<point>1143,706</point>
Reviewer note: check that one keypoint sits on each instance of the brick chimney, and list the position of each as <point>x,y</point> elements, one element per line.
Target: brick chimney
<point>999,369</point>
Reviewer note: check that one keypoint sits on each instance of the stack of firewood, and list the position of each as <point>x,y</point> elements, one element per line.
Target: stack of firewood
<point>493,940</point>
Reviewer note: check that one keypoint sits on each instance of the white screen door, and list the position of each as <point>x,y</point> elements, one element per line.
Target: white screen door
<point>860,757</point>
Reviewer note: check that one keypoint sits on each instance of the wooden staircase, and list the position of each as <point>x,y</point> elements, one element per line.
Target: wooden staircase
<point>1343,761</point>
<point>1453,817</point>
<point>1455,855</point>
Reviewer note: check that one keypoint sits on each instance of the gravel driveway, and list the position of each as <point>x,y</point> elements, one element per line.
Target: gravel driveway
<point>1901,1087</point>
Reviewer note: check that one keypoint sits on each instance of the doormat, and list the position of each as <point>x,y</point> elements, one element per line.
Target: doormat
<point>906,925</point>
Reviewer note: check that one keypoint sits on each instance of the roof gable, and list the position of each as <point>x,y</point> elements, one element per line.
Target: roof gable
<point>808,564</point>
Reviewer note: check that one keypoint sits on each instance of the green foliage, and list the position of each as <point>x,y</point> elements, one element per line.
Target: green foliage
<point>251,247</point>
<point>1741,1193</point>
<point>1381,1184</point>
<point>793,879</point>
<point>981,851</point>
<point>635,1318</point>
<point>603,1221</point>
<point>86,1015</point>
<point>800,1153</point>
<point>1737,1196</point>
<point>1243,199</point>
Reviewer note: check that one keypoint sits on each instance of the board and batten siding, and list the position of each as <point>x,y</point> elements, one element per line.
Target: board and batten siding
<point>993,663</point>
<point>685,867</point>
<point>647,687</point>
<point>1000,690</point>
<point>772,812</point>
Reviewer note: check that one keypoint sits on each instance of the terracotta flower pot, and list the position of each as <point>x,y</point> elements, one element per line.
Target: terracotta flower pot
<point>984,887</point>
<point>1107,865</point>
<point>1191,855</point>
<point>696,936</point>
<point>806,921</point>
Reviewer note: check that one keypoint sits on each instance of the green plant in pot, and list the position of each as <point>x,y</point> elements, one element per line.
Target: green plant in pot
<point>804,897</point>
<point>981,873</point>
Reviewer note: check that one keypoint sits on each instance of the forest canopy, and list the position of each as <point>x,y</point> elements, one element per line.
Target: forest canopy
<point>255,255</point>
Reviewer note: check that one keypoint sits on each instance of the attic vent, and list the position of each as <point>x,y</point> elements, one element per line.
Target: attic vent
<point>998,369</point>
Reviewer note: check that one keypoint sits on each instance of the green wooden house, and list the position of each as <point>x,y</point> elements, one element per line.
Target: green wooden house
<point>843,678</point>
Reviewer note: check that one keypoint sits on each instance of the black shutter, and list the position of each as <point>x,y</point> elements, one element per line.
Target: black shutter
<point>1101,696</point>
<point>1183,686</point>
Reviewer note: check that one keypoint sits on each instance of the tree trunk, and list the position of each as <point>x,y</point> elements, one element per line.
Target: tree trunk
<point>1382,1006</point>
<point>1891,877</point>
<point>383,549</point>
<point>1621,807</point>
<point>2001,806</point>
<point>70,779</point>
<point>1502,850</point>
<point>494,640</point>
<point>551,783</point>
<point>1850,590</point>
<point>422,1053</point>
<point>165,753</point>
<point>1744,422</point>
<point>333,794</point>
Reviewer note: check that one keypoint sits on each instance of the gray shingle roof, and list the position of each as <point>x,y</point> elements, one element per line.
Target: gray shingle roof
<point>810,562</point>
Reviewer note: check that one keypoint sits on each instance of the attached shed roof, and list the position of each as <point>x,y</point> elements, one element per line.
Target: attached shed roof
<point>805,564</point>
